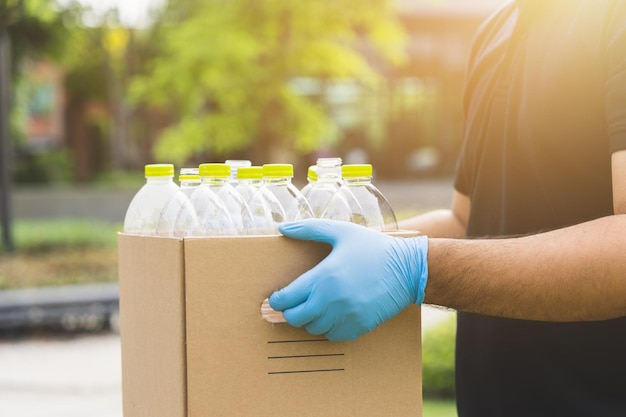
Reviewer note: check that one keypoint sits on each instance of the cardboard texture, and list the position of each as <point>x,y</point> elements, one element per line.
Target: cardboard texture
<point>194,343</point>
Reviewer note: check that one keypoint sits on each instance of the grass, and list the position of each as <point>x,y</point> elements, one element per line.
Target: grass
<point>41,235</point>
<point>60,252</point>
<point>439,408</point>
<point>119,179</point>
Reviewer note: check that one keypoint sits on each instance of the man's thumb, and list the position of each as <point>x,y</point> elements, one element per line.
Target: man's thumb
<point>319,230</point>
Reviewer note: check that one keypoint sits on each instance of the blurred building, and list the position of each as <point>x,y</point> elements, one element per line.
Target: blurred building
<point>44,105</point>
<point>420,133</point>
<point>40,107</point>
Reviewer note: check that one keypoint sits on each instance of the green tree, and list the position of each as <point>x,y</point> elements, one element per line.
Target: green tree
<point>225,71</point>
<point>36,27</point>
<point>97,71</point>
<point>103,58</point>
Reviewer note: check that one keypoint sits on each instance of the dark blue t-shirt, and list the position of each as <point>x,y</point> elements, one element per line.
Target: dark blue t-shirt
<point>545,107</point>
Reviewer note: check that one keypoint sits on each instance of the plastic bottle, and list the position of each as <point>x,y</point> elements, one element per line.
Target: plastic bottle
<point>188,180</point>
<point>277,180</point>
<point>328,182</point>
<point>261,202</point>
<point>311,177</point>
<point>249,180</point>
<point>213,216</point>
<point>359,201</point>
<point>160,208</point>
<point>215,176</point>
<point>234,165</point>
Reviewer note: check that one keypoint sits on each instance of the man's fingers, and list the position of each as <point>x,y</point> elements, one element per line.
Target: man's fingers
<point>319,230</point>
<point>297,292</point>
<point>300,315</point>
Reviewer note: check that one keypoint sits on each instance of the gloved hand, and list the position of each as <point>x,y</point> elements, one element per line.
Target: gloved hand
<point>368,278</point>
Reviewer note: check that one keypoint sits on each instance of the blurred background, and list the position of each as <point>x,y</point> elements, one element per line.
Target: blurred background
<point>91,90</point>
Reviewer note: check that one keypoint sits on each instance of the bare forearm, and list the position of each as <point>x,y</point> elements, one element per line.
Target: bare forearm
<point>437,223</point>
<point>571,274</point>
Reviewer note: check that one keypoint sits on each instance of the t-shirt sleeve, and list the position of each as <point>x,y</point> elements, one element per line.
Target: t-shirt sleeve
<point>463,180</point>
<point>616,78</point>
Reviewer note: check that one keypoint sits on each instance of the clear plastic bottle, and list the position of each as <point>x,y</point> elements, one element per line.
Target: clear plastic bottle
<point>260,202</point>
<point>328,182</point>
<point>189,180</point>
<point>249,180</point>
<point>359,201</point>
<point>160,208</point>
<point>277,180</point>
<point>215,176</point>
<point>234,165</point>
<point>213,216</point>
<point>311,177</point>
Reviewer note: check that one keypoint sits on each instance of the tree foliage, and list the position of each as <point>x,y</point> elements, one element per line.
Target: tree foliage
<point>103,57</point>
<point>438,360</point>
<point>35,27</point>
<point>225,69</point>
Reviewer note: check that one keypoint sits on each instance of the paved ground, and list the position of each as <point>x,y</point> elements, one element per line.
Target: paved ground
<point>81,376</point>
<point>110,205</point>
<point>78,377</point>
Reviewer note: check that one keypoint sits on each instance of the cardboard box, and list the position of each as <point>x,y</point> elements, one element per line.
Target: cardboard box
<point>194,343</point>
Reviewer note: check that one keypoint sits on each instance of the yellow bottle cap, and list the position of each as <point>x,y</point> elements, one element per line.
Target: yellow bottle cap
<point>277,170</point>
<point>215,170</point>
<point>250,173</point>
<point>312,173</point>
<point>159,170</point>
<point>356,170</point>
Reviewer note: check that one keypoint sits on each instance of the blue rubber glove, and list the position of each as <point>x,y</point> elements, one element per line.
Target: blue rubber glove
<point>368,278</point>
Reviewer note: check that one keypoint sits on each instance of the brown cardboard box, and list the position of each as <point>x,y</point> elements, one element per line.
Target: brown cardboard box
<point>194,343</point>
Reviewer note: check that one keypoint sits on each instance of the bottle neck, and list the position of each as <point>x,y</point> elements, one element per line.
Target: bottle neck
<point>254,182</point>
<point>277,180</point>
<point>329,173</point>
<point>214,180</point>
<point>328,169</point>
<point>357,180</point>
<point>159,180</point>
<point>189,183</point>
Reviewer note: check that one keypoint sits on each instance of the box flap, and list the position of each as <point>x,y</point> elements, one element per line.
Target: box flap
<point>152,326</point>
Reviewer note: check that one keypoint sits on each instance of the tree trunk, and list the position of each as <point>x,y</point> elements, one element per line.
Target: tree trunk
<point>6,148</point>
